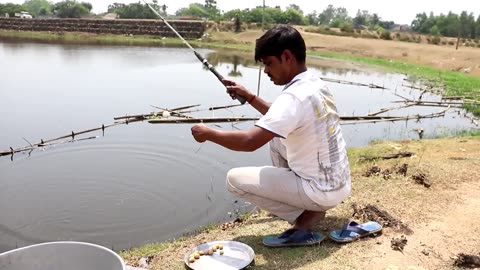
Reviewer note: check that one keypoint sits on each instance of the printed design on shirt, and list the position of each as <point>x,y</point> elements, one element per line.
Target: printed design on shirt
<point>327,172</point>
<point>328,99</point>
<point>331,129</point>
<point>317,112</point>
<point>328,102</point>
<point>330,172</point>
<point>326,93</point>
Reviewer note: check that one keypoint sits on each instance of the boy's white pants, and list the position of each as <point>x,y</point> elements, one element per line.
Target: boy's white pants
<point>276,188</point>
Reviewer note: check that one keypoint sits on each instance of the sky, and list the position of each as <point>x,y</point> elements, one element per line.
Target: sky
<point>401,12</point>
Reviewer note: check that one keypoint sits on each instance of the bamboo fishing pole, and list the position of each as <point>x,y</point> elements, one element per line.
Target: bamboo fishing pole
<point>204,61</point>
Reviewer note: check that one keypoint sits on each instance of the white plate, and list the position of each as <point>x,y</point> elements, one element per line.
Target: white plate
<point>236,255</point>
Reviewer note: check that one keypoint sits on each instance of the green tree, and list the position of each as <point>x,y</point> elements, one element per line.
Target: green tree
<point>164,9</point>
<point>312,18</point>
<point>386,24</point>
<point>257,15</point>
<point>340,18</point>
<point>374,20</point>
<point>341,13</point>
<point>38,7</point>
<point>327,15</point>
<point>212,10</point>
<point>275,14</point>
<point>293,16</point>
<point>362,18</point>
<point>467,25</point>
<point>428,24</point>
<point>477,27</point>
<point>464,25</point>
<point>210,4</point>
<point>115,6</point>
<point>450,26</point>
<point>134,10</point>
<point>87,5</point>
<point>434,31</point>
<point>10,9</point>
<point>471,25</point>
<point>418,22</point>
<point>194,10</point>
<point>232,14</point>
<point>295,7</point>
<point>70,9</point>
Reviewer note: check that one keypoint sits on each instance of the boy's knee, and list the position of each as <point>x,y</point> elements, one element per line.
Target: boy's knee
<point>233,181</point>
<point>232,177</point>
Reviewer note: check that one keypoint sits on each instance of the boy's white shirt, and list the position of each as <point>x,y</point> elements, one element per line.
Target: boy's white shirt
<point>304,115</point>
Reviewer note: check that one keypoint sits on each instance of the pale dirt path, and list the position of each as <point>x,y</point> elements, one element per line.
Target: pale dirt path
<point>457,231</point>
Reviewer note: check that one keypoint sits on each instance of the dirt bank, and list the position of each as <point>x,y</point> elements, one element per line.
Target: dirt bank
<point>433,222</point>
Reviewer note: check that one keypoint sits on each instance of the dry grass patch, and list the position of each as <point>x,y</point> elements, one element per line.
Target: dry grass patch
<point>441,57</point>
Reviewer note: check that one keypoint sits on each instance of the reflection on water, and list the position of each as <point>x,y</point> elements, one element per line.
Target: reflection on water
<point>142,183</point>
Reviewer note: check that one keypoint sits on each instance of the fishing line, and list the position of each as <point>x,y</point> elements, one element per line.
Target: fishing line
<point>204,61</point>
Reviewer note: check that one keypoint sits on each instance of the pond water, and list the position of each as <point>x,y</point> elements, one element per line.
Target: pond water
<point>142,183</point>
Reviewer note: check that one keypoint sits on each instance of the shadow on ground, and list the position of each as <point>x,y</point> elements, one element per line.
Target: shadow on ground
<point>292,257</point>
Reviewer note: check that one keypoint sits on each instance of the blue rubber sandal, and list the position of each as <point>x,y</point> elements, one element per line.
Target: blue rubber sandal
<point>293,238</point>
<point>353,231</point>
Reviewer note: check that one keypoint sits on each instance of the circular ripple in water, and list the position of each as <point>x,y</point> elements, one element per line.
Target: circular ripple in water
<point>117,191</point>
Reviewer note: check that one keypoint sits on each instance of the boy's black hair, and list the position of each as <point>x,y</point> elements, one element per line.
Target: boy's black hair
<point>279,38</point>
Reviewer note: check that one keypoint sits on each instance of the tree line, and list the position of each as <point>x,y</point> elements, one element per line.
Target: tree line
<point>63,9</point>
<point>452,25</point>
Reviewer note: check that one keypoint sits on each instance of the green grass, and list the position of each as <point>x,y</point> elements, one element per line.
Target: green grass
<point>146,250</point>
<point>469,133</point>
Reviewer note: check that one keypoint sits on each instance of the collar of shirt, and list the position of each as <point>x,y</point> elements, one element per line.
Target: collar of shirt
<point>297,78</point>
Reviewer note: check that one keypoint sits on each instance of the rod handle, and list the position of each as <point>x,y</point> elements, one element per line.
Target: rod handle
<point>204,61</point>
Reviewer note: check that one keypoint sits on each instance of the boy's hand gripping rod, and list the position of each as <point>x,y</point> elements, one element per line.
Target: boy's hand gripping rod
<point>200,57</point>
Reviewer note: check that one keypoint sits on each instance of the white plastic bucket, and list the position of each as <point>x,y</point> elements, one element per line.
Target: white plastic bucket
<point>64,255</point>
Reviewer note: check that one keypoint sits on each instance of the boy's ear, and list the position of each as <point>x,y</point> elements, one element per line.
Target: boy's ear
<point>287,55</point>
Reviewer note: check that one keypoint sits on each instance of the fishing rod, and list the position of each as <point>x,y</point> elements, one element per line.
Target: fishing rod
<point>204,61</point>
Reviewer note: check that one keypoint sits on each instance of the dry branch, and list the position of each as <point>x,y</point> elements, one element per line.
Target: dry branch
<point>202,120</point>
<point>440,103</point>
<point>224,107</point>
<point>34,146</point>
<point>384,110</point>
<point>371,85</point>
<point>189,119</point>
<point>389,156</point>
